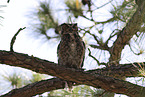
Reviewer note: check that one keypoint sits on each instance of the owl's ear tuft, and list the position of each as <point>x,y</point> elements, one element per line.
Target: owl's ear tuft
<point>63,26</point>
<point>75,24</point>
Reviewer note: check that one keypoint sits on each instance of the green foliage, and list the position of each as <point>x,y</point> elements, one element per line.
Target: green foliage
<point>80,91</point>
<point>124,11</point>
<point>15,79</point>
<point>46,20</point>
<point>75,7</point>
<point>45,15</point>
<point>36,77</point>
<point>18,79</point>
<point>77,91</point>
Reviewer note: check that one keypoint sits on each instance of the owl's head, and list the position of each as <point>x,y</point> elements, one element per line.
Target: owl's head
<point>69,28</point>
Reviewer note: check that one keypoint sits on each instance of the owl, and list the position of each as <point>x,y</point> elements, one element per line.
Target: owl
<point>71,49</point>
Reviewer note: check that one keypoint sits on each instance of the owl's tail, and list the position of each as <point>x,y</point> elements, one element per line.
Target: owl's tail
<point>69,85</point>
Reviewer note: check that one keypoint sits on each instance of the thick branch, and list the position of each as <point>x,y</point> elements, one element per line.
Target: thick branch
<point>56,83</point>
<point>132,27</point>
<point>33,63</point>
<point>37,88</point>
<point>120,71</point>
<point>70,74</point>
<point>102,47</point>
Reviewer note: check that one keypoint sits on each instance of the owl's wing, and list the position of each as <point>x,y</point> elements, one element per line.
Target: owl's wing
<point>83,54</point>
<point>58,53</point>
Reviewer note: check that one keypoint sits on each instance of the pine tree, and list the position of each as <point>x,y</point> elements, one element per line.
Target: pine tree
<point>114,34</point>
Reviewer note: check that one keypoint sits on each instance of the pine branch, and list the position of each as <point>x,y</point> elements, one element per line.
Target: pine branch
<point>120,71</point>
<point>132,27</point>
<point>80,77</point>
<point>37,88</point>
<point>14,38</point>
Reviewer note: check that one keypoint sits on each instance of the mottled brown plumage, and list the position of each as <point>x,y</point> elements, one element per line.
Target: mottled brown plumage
<point>71,50</point>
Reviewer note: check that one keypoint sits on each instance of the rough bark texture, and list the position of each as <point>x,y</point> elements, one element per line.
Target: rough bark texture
<point>37,88</point>
<point>80,77</point>
<point>127,33</point>
<point>120,71</point>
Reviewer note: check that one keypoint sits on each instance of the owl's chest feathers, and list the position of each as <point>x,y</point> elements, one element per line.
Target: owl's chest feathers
<point>72,43</point>
<point>73,47</point>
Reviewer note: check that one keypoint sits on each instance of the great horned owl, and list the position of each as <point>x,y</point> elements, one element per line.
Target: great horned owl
<point>71,50</point>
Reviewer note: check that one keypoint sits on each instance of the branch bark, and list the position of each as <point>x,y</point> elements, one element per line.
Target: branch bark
<point>132,27</point>
<point>37,88</point>
<point>120,71</point>
<point>80,77</point>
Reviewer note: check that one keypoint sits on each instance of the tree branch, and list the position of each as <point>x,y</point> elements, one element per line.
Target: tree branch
<point>14,38</point>
<point>70,74</point>
<point>120,71</point>
<point>37,88</point>
<point>102,46</point>
<point>132,27</point>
